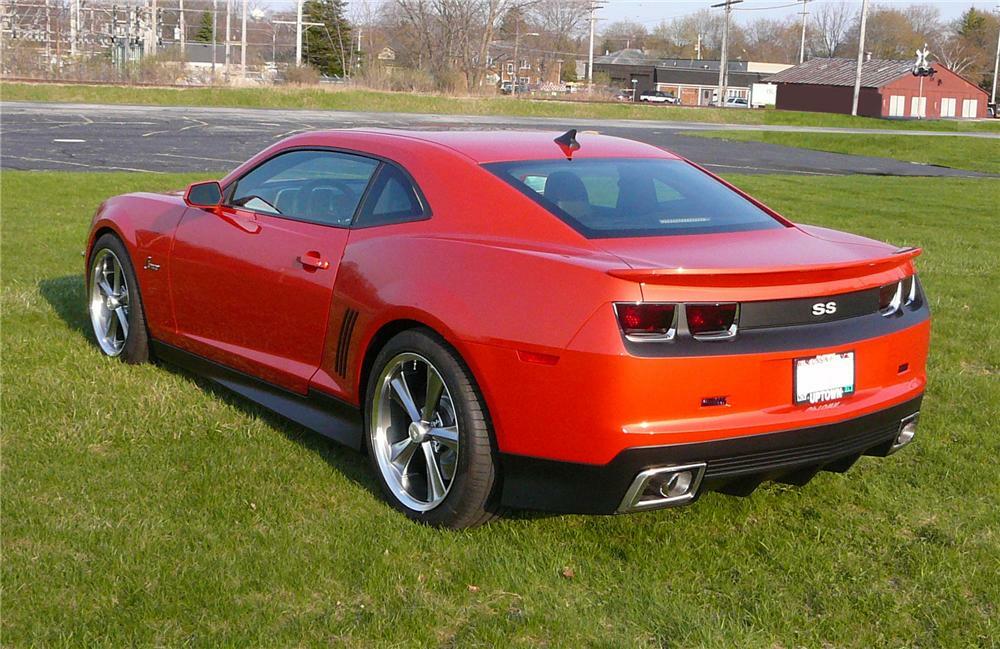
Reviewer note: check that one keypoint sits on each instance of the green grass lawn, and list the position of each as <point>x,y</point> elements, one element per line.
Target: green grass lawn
<point>977,154</point>
<point>404,102</point>
<point>142,506</point>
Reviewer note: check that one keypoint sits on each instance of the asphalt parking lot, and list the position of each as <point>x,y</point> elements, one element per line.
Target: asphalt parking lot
<point>83,137</point>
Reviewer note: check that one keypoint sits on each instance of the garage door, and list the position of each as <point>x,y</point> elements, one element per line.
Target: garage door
<point>897,106</point>
<point>948,107</point>
<point>970,107</point>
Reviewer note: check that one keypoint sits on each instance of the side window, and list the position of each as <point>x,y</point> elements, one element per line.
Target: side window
<point>393,199</point>
<point>318,186</point>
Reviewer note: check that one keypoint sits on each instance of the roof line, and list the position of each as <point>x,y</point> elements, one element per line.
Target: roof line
<point>409,136</point>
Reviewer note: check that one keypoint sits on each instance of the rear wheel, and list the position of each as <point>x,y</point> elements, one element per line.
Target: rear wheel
<point>428,434</point>
<point>114,302</point>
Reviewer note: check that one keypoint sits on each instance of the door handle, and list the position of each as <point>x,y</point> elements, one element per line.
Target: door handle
<point>313,260</point>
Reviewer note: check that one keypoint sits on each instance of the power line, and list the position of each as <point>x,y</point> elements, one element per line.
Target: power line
<point>792,4</point>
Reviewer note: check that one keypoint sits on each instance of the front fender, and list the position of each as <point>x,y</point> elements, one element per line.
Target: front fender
<point>145,223</point>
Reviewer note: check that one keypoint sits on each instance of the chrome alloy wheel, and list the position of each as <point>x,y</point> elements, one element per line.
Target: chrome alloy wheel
<point>109,302</point>
<point>416,446</point>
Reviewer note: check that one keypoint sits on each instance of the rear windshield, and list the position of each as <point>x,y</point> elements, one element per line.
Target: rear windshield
<point>633,197</point>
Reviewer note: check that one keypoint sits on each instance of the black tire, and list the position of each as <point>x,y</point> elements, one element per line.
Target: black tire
<point>136,347</point>
<point>473,496</point>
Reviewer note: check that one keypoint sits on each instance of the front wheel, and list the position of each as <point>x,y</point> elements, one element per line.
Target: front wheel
<point>114,302</point>
<point>428,433</point>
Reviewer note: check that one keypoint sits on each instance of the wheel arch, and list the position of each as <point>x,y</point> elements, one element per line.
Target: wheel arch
<point>110,221</point>
<point>101,228</point>
<point>374,345</point>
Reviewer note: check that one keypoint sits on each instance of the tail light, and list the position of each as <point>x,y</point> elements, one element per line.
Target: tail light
<point>647,321</point>
<point>889,298</point>
<point>910,290</point>
<point>712,321</point>
<point>893,296</point>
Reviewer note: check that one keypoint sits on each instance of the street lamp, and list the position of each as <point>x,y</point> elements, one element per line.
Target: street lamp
<point>635,86</point>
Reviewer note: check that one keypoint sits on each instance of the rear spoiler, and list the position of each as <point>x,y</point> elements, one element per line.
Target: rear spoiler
<point>804,274</point>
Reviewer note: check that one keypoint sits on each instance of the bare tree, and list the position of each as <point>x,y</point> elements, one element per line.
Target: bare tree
<point>451,35</point>
<point>953,52</point>
<point>890,33</point>
<point>624,34</point>
<point>832,23</point>
<point>704,26</point>
<point>774,40</point>
<point>561,20</point>
<point>925,20</point>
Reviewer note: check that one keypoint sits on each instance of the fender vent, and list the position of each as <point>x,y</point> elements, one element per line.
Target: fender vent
<point>344,342</point>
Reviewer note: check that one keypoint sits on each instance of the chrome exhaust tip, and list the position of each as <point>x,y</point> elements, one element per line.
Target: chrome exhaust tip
<point>907,431</point>
<point>667,486</point>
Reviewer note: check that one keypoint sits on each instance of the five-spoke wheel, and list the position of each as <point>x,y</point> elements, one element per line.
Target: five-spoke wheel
<point>115,303</point>
<point>428,434</point>
<point>109,302</point>
<point>417,446</point>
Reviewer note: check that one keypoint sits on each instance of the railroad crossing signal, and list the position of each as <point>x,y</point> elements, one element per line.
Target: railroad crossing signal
<point>922,67</point>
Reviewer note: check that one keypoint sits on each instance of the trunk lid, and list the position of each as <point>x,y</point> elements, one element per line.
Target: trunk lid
<point>797,261</point>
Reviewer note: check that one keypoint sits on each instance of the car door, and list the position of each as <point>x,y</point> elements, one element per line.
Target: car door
<point>251,283</point>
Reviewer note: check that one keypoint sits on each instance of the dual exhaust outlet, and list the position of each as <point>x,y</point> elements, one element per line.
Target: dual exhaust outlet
<point>671,486</point>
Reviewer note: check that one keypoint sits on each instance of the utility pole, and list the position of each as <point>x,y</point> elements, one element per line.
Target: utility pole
<point>517,64</point>
<point>299,27</point>
<point>48,35</point>
<point>74,27</point>
<point>215,13</point>
<point>594,6</point>
<point>243,44</point>
<point>861,56</point>
<point>298,33</point>
<point>802,47</point>
<point>182,25</point>
<point>996,67</point>
<point>154,31</point>
<point>229,35</point>
<point>723,62</point>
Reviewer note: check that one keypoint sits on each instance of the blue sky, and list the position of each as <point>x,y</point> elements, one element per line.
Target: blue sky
<point>651,12</point>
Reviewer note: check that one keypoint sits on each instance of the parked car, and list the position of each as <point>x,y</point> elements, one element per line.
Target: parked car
<point>658,97</point>
<point>508,88</point>
<point>733,102</point>
<point>601,326</point>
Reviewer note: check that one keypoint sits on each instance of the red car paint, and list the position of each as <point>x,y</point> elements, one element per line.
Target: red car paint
<point>524,299</point>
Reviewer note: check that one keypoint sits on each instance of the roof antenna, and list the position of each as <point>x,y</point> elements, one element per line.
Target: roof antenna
<point>567,142</point>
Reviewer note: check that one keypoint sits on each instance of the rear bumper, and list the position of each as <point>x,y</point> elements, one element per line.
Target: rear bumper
<point>602,397</point>
<point>734,465</point>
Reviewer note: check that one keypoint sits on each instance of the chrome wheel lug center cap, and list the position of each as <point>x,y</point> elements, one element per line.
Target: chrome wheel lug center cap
<point>417,432</point>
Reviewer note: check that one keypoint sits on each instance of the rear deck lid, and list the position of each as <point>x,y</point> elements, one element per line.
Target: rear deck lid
<point>785,256</point>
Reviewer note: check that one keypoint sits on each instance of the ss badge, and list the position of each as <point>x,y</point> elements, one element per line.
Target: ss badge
<point>824,308</point>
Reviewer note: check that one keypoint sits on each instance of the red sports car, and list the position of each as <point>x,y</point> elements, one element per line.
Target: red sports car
<point>514,320</point>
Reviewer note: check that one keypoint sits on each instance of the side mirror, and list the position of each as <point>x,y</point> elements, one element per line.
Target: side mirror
<point>205,195</point>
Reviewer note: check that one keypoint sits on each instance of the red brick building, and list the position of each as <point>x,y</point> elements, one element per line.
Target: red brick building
<point>888,89</point>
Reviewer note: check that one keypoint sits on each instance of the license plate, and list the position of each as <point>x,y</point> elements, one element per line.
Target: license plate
<point>827,377</point>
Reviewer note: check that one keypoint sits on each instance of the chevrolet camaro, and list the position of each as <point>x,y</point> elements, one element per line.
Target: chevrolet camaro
<point>513,319</point>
